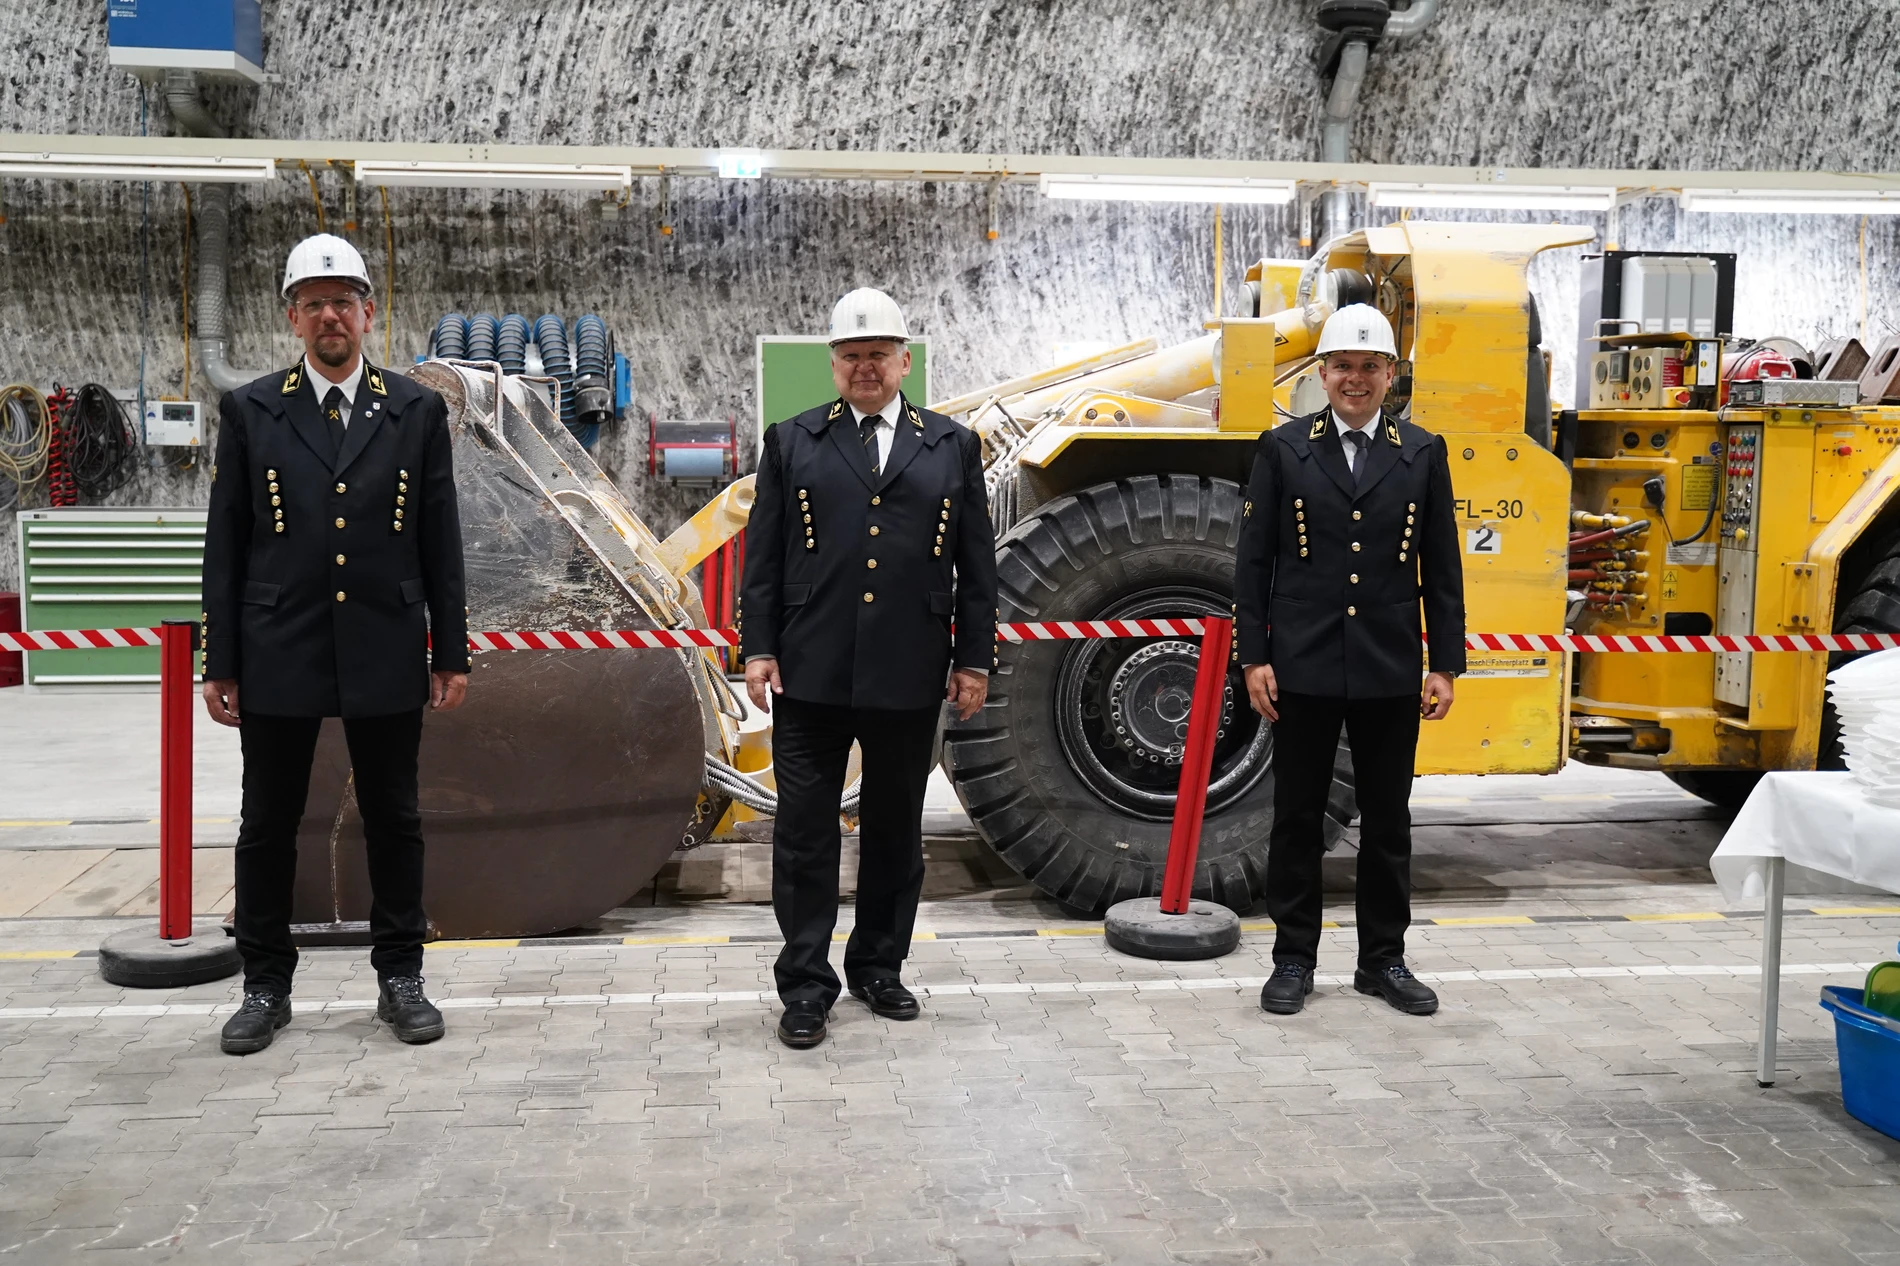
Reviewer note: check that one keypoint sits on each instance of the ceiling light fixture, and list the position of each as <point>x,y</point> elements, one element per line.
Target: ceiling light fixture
<point>586,176</point>
<point>1494,197</point>
<point>198,170</point>
<point>741,165</point>
<point>1797,201</point>
<point>1234,189</point>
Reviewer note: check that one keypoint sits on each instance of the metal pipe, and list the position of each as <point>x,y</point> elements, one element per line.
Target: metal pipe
<point>213,225</point>
<point>1408,24</point>
<point>1335,133</point>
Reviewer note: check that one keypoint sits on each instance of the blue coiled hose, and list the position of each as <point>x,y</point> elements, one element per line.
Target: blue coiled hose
<point>550,333</point>
<point>593,377</point>
<point>511,343</point>
<point>481,336</point>
<point>450,340</point>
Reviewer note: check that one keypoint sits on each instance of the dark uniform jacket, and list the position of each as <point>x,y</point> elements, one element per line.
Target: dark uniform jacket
<point>1330,577</point>
<point>319,565</point>
<point>853,580</point>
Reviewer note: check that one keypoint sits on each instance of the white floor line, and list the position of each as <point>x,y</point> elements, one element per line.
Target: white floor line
<point>1207,984</point>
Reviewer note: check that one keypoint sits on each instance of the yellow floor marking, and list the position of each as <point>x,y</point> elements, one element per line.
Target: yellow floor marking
<point>1441,799</point>
<point>676,940</point>
<point>15,955</point>
<point>1488,920</point>
<point>35,822</point>
<point>1329,924</point>
<point>1839,910</point>
<point>923,936</point>
<point>1068,931</point>
<point>1257,927</point>
<point>497,943</point>
<point>1687,916</point>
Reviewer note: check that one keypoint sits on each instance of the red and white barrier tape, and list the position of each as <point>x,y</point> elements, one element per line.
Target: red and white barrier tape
<point>1044,631</point>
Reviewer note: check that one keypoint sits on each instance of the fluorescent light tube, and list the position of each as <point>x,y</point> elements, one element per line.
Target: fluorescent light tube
<point>1798,201</point>
<point>191,170</point>
<point>427,175</point>
<point>1494,197</point>
<point>738,165</point>
<point>1235,189</point>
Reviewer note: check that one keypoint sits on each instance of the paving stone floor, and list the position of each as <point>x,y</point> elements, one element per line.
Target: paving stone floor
<point>1573,1101</point>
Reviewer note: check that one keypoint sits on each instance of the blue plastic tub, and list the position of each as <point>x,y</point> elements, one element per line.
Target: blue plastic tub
<point>1869,1046</point>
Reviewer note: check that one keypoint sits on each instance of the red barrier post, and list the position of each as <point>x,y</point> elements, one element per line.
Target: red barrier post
<point>178,954</point>
<point>177,648</point>
<point>1197,763</point>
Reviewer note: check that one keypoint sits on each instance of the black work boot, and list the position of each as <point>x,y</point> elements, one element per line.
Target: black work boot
<point>1398,986</point>
<point>259,1016</point>
<point>1285,991</point>
<point>802,1024</point>
<point>402,1007</point>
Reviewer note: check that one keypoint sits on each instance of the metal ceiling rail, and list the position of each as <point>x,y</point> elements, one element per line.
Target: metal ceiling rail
<point>1005,168</point>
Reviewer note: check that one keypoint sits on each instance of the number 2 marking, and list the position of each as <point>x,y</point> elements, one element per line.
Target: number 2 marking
<point>1482,540</point>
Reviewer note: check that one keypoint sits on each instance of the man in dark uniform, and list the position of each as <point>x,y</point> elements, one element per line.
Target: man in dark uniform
<point>333,530</point>
<point>870,534</point>
<point>1347,526</point>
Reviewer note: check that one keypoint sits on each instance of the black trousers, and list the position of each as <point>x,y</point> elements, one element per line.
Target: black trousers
<point>811,743</point>
<point>277,755</point>
<point>1384,738</point>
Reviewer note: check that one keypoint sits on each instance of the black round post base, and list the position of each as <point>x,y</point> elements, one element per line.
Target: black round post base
<point>1139,927</point>
<point>139,959</point>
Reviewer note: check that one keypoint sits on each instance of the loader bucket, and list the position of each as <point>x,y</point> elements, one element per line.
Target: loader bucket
<point>564,783</point>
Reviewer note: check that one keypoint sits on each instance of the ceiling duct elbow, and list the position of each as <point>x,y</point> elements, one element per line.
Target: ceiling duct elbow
<point>211,240</point>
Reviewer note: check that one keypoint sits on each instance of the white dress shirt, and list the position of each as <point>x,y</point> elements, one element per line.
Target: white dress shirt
<point>886,427</point>
<point>1353,456</point>
<point>348,386</point>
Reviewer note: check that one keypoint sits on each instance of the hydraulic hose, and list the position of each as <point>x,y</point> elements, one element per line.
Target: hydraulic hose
<point>213,223</point>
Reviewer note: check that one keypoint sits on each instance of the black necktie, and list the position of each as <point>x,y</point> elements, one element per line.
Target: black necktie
<point>1357,457</point>
<point>867,431</point>
<point>333,419</point>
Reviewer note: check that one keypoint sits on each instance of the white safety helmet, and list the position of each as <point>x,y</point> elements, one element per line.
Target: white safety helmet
<point>324,256</point>
<point>1357,327</point>
<point>867,314</point>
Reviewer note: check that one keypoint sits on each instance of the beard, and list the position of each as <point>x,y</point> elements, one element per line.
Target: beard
<point>334,350</point>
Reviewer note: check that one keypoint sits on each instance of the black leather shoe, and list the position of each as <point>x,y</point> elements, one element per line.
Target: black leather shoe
<point>802,1025</point>
<point>411,1016</point>
<point>887,998</point>
<point>1285,991</point>
<point>1398,986</point>
<point>258,1018</point>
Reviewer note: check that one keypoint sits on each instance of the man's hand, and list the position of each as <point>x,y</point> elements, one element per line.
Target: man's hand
<point>967,692</point>
<point>221,700</point>
<point>447,690</point>
<point>1262,690</point>
<point>1434,700</point>
<point>761,682</point>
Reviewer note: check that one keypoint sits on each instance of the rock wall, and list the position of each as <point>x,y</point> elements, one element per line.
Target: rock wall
<point>91,274</point>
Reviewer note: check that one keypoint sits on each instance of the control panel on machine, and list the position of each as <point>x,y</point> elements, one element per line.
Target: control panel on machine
<point>1735,598</point>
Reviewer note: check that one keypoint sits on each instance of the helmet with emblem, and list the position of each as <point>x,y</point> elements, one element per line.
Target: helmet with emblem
<point>1357,327</point>
<point>867,314</point>
<point>325,257</point>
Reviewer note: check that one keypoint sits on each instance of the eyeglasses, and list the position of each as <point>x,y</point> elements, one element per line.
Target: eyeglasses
<point>345,305</point>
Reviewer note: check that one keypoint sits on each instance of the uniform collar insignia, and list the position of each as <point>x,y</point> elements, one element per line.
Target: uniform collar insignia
<point>1320,420</point>
<point>374,377</point>
<point>915,421</point>
<point>293,379</point>
<point>1392,434</point>
<point>837,407</point>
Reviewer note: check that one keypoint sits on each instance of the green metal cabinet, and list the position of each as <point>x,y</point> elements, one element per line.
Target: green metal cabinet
<point>96,567</point>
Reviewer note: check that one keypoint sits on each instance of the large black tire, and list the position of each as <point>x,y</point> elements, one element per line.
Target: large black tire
<point>1724,788</point>
<point>1059,770</point>
<point>1873,607</point>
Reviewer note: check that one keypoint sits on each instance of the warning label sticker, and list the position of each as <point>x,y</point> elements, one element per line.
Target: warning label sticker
<point>1698,487</point>
<point>1507,663</point>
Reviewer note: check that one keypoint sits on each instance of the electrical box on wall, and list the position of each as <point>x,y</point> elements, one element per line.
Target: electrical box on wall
<point>174,423</point>
<point>217,37</point>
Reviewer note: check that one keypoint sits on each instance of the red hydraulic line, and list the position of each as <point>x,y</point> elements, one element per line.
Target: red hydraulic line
<point>178,646</point>
<point>1197,762</point>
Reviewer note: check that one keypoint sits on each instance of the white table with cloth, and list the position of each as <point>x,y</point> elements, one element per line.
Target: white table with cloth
<point>1806,834</point>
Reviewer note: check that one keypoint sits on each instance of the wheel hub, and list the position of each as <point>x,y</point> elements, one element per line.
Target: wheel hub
<point>1150,697</point>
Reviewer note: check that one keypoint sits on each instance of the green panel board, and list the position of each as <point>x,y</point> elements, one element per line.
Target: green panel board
<point>795,375</point>
<point>106,568</point>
